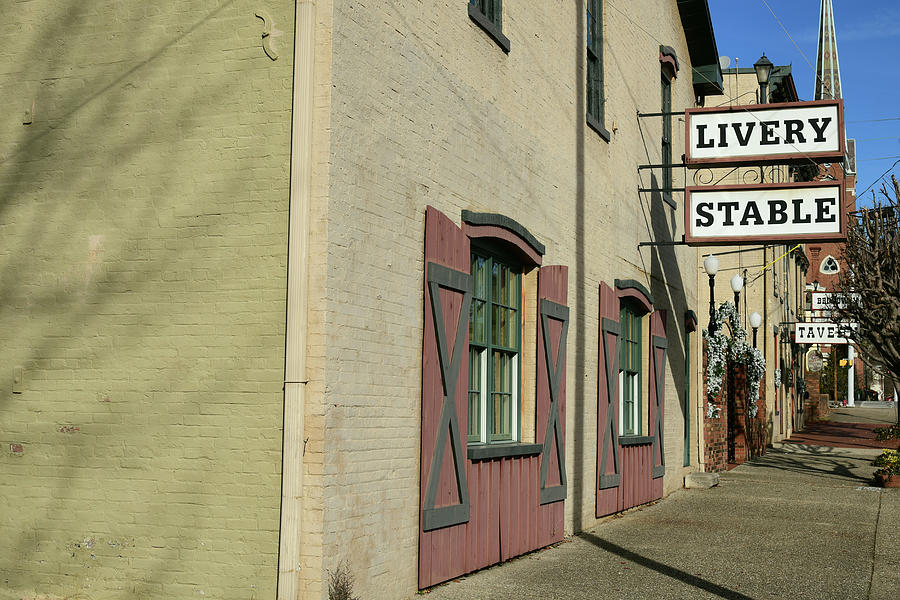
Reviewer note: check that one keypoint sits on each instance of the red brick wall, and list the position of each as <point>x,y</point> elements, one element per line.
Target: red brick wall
<point>751,435</point>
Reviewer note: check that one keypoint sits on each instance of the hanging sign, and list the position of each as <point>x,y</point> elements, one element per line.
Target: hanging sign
<point>828,301</point>
<point>814,361</point>
<point>788,212</point>
<point>824,333</point>
<point>765,133</point>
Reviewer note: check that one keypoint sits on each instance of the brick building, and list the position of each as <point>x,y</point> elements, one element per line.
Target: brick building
<point>826,260</point>
<point>773,277</point>
<point>374,297</point>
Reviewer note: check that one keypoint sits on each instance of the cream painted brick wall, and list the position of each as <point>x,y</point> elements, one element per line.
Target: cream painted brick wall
<point>427,110</point>
<point>142,257</point>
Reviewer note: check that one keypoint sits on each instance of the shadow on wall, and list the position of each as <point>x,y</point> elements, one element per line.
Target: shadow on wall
<point>110,198</point>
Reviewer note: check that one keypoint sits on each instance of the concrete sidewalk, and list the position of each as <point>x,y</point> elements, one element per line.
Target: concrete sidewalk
<point>799,522</point>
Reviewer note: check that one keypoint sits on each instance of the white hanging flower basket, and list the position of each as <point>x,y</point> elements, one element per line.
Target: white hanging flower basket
<point>721,349</point>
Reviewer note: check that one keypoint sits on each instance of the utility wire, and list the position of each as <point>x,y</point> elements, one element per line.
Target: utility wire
<point>880,177</point>
<point>878,158</point>
<point>783,28</point>
<point>876,120</point>
<point>708,80</point>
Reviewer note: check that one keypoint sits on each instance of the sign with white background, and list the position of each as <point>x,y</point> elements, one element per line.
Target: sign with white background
<point>765,133</point>
<point>824,333</point>
<point>736,214</point>
<point>827,300</point>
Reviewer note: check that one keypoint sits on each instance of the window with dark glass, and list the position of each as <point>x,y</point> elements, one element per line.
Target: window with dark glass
<point>494,348</point>
<point>488,14</point>
<point>630,372</point>
<point>666,111</point>
<point>595,95</point>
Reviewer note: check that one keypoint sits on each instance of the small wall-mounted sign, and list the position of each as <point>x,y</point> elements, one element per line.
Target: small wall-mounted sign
<point>824,333</point>
<point>765,133</point>
<point>789,212</point>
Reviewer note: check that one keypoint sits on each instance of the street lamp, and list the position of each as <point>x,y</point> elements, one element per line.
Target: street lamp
<point>737,283</point>
<point>763,69</point>
<point>755,322</point>
<point>711,266</point>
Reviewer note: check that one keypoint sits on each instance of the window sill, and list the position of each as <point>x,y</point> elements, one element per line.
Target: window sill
<point>489,28</point>
<point>489,451</point>
<point>596,126</point>
<point>635,440</point>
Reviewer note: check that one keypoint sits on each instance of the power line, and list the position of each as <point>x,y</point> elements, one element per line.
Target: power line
<point>876,120</point>
<point>708,80</point>
<point>880,177</point>
<point>878,158</point>
<point>783,28</point>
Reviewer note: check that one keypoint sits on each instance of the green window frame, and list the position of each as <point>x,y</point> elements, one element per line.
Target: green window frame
<point>630,376</point>
<point>666,150</point>
<point>495,345</point>
<point>596,99</point>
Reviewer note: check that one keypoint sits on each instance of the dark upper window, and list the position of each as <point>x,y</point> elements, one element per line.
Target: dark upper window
<point>666,110</point>
<point>494,349</point>
<point>595,94</point>
<point>488,14</point>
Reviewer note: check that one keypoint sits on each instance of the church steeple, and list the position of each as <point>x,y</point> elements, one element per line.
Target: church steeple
<point>828,71</point>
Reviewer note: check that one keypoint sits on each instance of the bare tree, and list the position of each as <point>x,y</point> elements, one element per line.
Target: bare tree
<point>872,255</point>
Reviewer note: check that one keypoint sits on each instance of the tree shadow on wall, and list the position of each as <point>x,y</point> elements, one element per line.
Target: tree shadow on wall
<point>102,206</point>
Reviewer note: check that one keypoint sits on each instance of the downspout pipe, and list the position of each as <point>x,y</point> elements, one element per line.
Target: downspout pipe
<point>295,376</point>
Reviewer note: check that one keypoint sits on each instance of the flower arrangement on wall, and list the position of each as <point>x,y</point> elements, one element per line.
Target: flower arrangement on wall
<point>721,349</point>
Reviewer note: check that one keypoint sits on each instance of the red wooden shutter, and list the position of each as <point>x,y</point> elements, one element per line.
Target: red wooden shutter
<point>444,494</point>
<point>550,396</point>
<point>609,468</point>
<point>658,346</point>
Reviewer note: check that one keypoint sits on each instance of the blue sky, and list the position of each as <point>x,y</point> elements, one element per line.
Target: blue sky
<point>868,37</point>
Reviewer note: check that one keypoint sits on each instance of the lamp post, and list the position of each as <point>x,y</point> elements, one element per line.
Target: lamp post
<point>763,68</point>
<point>737,283</point>
<point>711,266</point>
<point>755,322</point>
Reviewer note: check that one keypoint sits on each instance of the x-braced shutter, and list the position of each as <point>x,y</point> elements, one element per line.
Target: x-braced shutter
<point>610,340</point>
<point>552,290</point>
<point>659,346</point>
<point>447,243</point>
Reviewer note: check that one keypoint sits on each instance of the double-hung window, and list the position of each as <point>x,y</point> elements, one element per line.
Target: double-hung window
<point>630,372</point>
<point>595,95</point>
<point>494,350</point>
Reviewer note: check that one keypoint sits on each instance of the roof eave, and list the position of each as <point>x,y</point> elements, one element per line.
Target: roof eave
<point>701,42</point>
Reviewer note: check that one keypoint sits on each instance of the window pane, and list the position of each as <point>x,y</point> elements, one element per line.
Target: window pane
<point>628,404</point>
<point>495,281</point>
<point>478,276</point>
<point>474,393</point>
<point>477,323</point>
